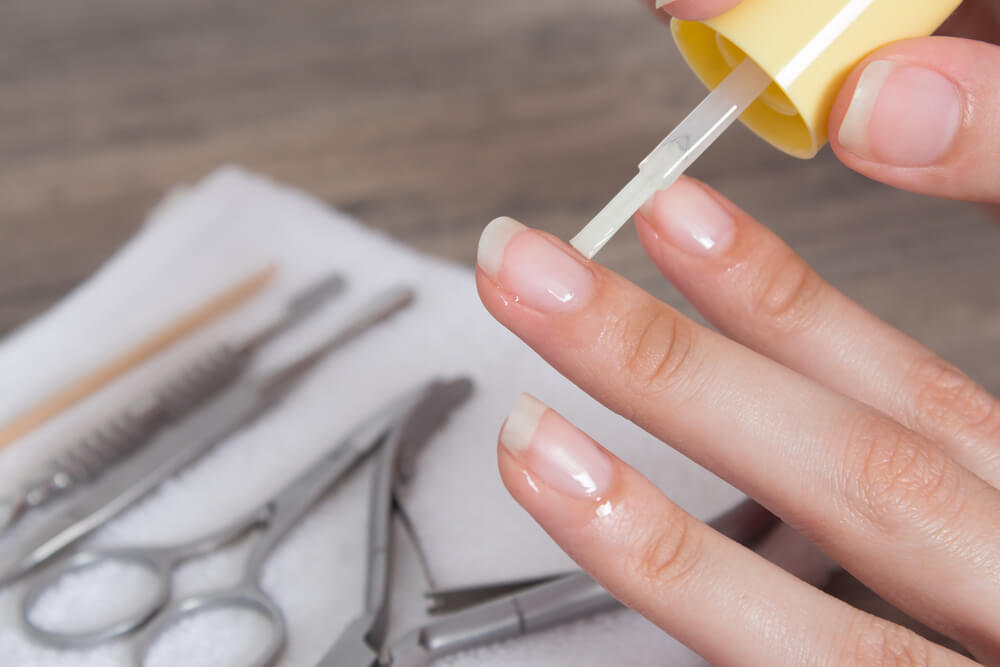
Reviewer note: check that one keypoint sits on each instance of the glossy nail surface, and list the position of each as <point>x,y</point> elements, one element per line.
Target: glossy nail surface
<point>555,451</point>
<point>542,275</point>
<point>690,219</point>
<point>902,115</point>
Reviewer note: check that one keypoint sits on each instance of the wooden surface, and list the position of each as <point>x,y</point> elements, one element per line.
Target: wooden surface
<point>426,119</point>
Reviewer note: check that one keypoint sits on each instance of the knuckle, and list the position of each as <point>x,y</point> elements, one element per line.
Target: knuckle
<point>658,349</point>
<point>948,400</point>
<point>874,642</point>
<point>785,293</point>
<point>667,554</point>
<point>894,479</point>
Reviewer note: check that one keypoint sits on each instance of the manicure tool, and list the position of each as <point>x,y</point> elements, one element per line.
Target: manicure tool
<point>776,65</point>
<point>188,323</point>
<point>455,599</point>
<point>181,444</point>
<point>396,432</point>
<point>124,434</point>
<point>550,603</point>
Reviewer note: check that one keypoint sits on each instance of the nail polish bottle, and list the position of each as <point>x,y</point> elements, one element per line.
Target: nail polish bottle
<point>776,65</point>
<point>807,48</point>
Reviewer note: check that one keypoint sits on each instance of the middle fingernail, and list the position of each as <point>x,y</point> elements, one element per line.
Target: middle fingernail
<point>690,219</point>
<point>540,274</point>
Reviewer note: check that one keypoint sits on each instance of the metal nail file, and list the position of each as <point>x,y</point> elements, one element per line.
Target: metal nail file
<point>93,454</point>
<point>184,442</point>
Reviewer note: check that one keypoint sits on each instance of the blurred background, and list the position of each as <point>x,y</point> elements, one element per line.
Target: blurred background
<point>426,119</point>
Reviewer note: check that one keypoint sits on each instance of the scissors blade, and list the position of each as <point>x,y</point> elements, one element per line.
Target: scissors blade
<point>352,648</point>
<point>125,484</point>
<point>405,423</point>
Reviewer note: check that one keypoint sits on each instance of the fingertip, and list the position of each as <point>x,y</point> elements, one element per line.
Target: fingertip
<point>696,10</point>
<point>515,478</point>
<point>537,271</point>
<point>918,115</point>
<point>493,242</point>
<point>690,218</point>
<point>556,472</point>
<point>556,452</point>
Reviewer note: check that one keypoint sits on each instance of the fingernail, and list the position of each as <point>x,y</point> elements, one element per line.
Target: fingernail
<point>690,219</point>
<point>543,276</point>
<point>901,115</point>
<point>557,452</point>
<point>663,3</point>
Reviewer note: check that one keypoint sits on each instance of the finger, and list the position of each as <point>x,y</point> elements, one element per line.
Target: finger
<point>695,10</point>
<point>683,576</point>
<point>874,495</point>
<point>922,115</point>
<point>756,290</point>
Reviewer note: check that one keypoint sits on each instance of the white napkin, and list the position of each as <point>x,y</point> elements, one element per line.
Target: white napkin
<point>204,238</point>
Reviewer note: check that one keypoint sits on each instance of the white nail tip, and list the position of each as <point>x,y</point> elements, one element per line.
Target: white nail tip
<point>494,239</point>
<point>522,423</point>
<point>853,133</point>
<point>662,3</point>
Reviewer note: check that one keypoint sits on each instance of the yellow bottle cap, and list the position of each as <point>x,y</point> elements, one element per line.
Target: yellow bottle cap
<point>807,47</point>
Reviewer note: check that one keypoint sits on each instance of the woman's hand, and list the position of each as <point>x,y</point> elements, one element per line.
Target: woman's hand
<point>855,434</point>
<point>919,114</point>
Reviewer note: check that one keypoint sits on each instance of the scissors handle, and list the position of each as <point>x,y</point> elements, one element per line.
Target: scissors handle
<point>159,563</point>
<point>245,596</point>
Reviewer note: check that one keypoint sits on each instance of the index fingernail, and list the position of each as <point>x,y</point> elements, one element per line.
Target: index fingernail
<point>542,274</point>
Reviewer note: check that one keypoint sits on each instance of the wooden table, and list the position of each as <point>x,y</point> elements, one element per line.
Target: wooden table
<point>426,119</point>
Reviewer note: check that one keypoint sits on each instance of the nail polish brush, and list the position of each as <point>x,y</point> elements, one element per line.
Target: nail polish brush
<point>777,65</point>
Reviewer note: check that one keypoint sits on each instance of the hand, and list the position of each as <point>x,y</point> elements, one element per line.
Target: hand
<point>923,118</point>
<point>858,436</point>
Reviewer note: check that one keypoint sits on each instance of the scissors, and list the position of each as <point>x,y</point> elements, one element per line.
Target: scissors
<point>247,400</point>
<point>396,432</point>
<point>545,605</point>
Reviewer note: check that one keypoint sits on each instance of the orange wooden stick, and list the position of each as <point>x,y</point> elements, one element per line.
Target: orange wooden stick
<point>79,389</point>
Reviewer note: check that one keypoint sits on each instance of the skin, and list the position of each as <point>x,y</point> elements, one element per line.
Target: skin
<point>853,433</point>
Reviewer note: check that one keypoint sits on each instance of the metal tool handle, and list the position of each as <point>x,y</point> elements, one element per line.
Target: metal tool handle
<point>159,563</point>
<point>121,436</point>
<point>181,394</point>
<point>394,464</point>
<point>285,510</point>
<point>84,460</point>
<point>380,308</point>
<point>246,596</point>
<point>546,606</point>
<point>413,420</point>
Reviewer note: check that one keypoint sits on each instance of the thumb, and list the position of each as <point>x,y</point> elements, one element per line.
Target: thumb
<point>923,115</point>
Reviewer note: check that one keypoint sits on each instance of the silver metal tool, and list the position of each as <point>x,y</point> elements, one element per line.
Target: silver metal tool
<point>456,599</point>
<point>182,443</point>
<point>544,606</point>
<point>396,431</point>
<point>121,436</point>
